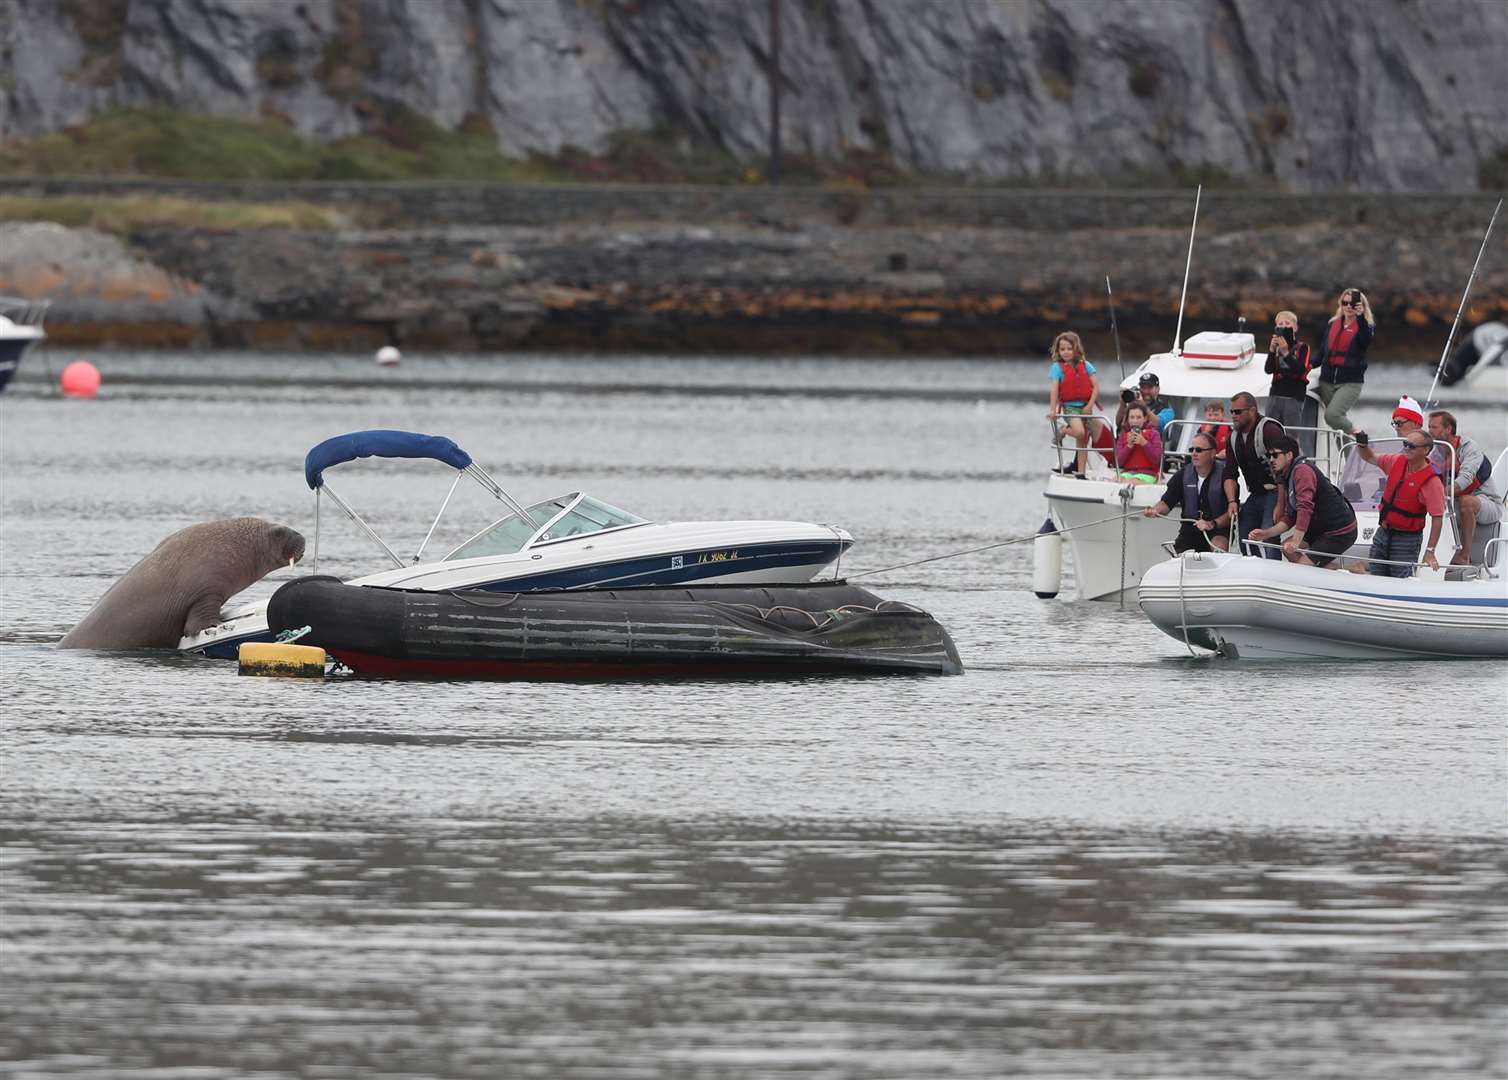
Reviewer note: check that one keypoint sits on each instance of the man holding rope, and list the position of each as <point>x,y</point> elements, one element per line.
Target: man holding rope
<point>1324,525</point>
<point>1207,497</point>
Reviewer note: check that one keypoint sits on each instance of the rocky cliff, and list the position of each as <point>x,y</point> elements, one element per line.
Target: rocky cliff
<point>1379,95</point>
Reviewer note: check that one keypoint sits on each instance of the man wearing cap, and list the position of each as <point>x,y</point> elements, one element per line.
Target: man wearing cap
<point>1411,494</point>
<point>1150,387</point>
<point>1477,499</point>
<point>1323,522</point>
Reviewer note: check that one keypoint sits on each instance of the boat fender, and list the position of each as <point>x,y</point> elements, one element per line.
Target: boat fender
<point>1047,561</point>
<point>281,660</point>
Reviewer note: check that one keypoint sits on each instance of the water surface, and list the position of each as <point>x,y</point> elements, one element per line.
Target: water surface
<point>1090,856</point>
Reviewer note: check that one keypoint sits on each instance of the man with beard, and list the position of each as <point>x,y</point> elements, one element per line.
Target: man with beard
<point>1247,452</point>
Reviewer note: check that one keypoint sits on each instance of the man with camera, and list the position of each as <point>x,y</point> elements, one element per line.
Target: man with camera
<point>1288,364</point>
<point>1150,395</point>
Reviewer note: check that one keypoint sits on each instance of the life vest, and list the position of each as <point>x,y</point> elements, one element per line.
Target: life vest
<point>1077,384</point>
<point>1212,485</point>
<point>1402,509</point>
<point>1250,455</point>
<point>1219,431</point>
<point>1484,470</point>
<point>1339,341</point>
<point>1140,460</point>
<point>1332,513</point>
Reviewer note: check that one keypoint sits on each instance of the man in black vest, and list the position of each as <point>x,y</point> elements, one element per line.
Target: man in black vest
<point>1252,435</point>
<point>1207,498</point>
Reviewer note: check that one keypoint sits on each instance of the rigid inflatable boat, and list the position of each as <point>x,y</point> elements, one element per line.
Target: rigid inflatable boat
<point>1260,609</point>
<point>645,632</point>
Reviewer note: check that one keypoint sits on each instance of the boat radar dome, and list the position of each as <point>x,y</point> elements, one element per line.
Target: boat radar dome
<point>388,356</point>
<point>80,379</point>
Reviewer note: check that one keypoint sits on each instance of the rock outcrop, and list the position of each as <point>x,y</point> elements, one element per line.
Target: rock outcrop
<point>1387,95</point>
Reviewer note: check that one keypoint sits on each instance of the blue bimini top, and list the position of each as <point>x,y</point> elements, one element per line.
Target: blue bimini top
<point>360,444</point>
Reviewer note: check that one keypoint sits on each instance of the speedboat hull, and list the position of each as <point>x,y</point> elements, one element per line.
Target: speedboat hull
<point>20,329</point>
<point>613,633</point>
<point>1265,610</point>
<point>676,553</point>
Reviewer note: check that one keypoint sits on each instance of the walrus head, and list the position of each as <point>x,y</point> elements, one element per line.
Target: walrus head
<point>288,543</point>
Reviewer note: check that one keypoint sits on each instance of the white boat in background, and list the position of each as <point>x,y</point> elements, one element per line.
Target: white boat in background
<point>1259,609</point>
<point>573,541</point>
<point>20,329</point>
<point>1478,369</point>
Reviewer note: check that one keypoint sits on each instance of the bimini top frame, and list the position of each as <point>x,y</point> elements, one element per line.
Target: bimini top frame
<point>395,444</point>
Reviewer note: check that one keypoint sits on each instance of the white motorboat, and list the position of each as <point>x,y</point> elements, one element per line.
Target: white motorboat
<point>1478,369</point>
<point>1259,609</point>
<point>20,329</point>
<point>1112,551</point>
<point>569,542</point>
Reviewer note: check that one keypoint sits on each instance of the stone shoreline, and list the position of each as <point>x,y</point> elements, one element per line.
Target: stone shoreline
<point>750,270</point>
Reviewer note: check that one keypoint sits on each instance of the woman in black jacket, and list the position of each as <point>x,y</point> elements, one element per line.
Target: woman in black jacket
<point>1343,358</point>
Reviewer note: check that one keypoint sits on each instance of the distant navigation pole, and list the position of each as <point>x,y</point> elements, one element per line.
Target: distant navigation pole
<point>774,76</point>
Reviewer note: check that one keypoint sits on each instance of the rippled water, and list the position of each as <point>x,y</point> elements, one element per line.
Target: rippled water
<point>1090,856</point>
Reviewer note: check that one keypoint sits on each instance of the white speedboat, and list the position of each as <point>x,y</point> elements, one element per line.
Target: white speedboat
<point>572,541</point>
<point>1259,609</point>
<point>20,329</point>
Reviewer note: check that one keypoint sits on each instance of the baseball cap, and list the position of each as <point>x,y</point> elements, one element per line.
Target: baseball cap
<point>1149,379</point>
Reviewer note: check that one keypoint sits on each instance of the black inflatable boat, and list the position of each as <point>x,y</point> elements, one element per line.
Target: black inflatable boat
<point>612,633</point>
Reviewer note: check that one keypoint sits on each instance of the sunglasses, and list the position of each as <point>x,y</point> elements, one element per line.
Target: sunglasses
<point>1416,446</point>
<point>1399,422</point>
<point>1238,412</point>
<point>1202,449</point>
<point>1274,454</point>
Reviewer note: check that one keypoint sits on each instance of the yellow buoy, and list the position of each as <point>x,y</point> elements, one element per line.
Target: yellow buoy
<point>284,661</point>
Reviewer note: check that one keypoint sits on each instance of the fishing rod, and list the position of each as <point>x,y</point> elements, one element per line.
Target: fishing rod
<point>1178,331</point>
<point>1429,402</point>
<point>1115,330</point>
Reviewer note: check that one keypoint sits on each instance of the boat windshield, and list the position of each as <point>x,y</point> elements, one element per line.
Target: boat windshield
<point>563,517</point>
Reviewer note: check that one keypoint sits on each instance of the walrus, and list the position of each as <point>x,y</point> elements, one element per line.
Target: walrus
<point>180,587</point>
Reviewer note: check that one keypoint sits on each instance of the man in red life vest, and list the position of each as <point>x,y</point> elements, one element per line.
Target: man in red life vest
<point>1478,501</point>
<point>1411,494</point>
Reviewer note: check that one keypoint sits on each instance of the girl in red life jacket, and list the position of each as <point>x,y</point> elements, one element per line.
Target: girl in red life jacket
<point>1074,392</point>
<point>1138,447</point>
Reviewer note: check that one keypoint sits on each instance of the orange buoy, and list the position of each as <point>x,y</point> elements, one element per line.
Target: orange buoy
<point>80,379</point>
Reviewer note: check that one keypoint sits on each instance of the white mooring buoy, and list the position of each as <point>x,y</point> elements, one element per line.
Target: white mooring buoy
<point>388,356</point>
<point>1047,561</point>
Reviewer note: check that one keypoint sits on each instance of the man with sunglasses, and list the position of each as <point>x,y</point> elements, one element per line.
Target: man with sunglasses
<point>1411,493</point>
<point>1323,522</point>
<point>1247,452</point>
<point>1207,497</point>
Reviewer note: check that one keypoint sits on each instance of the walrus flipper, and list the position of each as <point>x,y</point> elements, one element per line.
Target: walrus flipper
<point>205,612</point>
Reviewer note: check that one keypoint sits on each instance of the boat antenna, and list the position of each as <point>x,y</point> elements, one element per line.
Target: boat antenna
<point>1178,332</point>
<point>1114,329</point>
<point>1429,402</point>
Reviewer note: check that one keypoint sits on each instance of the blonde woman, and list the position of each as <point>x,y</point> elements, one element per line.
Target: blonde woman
<point>1343,357</point>
<point>1074,392</point>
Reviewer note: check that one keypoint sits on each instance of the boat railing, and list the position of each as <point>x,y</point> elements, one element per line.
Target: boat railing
<point>1343,557</point>
<point>1063,448</point>
<point>24,312</point>
<point>1490,555</point>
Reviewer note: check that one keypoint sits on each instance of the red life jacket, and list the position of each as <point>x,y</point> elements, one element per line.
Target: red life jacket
<point>1340,341</point>
<point>1484,470</point>
<point>1402,509</point>
<point>1139,460</point>
<point>1076,385</point>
